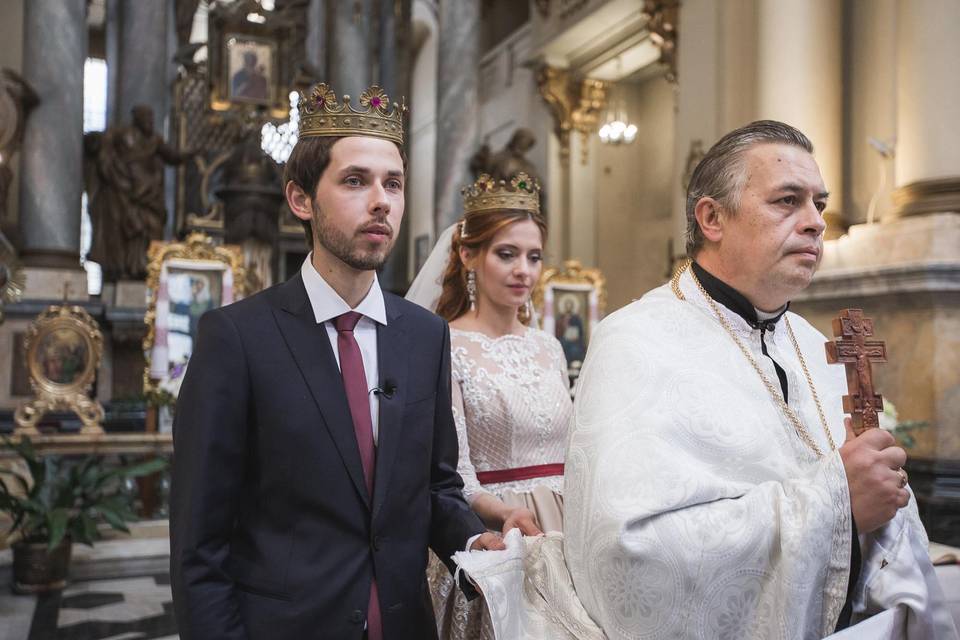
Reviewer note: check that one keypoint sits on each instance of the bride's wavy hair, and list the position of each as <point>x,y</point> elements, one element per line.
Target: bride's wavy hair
<point>480,228</point>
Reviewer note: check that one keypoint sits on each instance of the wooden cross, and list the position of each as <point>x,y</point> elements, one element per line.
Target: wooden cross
<point>856,353</point>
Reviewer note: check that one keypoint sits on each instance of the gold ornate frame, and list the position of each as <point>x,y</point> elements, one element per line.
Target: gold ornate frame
<point>573,277</point>
<point>198,247</point>
<point>56,396</point>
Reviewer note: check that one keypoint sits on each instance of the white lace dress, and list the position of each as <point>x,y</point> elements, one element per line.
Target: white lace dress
<point>512,409</point>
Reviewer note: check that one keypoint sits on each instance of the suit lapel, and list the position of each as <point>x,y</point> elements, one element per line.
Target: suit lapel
<point>311,350</point>
<point>392,344</point>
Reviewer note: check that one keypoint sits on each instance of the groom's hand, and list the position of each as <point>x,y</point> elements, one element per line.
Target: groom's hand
<point>488,541</point>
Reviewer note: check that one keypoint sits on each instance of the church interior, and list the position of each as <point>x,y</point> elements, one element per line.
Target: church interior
<point>142,145</point>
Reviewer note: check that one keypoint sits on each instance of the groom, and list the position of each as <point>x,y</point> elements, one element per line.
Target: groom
<point>315,447</point>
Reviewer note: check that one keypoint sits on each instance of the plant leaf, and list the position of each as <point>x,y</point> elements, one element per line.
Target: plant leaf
<point>136,470</point>
<point>113,518</point>
<point>57,526</point>
<point>142,469</point>
<point>85,529</point>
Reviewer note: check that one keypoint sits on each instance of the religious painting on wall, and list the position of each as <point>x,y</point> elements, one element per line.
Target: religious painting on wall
<point>250,61</point>
<point>570,302</point>
<point>62,351</point>
<point>250,67</point>
<point>192,290</point>
<point>570,309</point>
<point>185,280</point>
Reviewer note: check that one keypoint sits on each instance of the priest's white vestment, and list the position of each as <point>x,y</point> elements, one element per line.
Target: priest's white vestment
<point>694,509</point>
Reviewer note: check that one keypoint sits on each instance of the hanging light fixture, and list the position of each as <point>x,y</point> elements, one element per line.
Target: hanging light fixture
<point>617,129</point>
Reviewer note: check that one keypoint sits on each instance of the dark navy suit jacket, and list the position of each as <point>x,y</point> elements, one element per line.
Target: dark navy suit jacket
<point>273,533</point>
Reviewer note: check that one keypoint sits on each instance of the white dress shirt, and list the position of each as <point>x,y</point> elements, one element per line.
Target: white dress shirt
<point>327,305</point>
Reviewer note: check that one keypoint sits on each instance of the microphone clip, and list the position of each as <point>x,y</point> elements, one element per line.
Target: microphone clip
<point>386,391</point>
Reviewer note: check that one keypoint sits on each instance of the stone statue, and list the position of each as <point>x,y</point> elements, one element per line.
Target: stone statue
<point>509,161</point>
<point>124,177</point>
<point>16,101</point>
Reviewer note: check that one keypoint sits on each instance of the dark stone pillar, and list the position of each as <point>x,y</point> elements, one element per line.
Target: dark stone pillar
<point>457,104</point>
<point>54,50</point>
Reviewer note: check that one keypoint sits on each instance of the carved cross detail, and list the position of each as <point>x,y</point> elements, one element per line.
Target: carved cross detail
<point>856,353</point>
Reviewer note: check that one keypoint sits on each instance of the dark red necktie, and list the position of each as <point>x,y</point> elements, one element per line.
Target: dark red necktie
<point>355,383</point>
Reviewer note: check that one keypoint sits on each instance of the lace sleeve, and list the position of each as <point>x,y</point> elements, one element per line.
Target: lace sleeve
<point>471,486</point>
<point>560,359</point>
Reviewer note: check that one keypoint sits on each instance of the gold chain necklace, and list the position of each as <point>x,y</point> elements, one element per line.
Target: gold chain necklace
<point>778,397</point>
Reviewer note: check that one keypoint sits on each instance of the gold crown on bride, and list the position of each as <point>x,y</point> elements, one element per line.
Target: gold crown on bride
<point>486,194</point>
<point>323,114</point>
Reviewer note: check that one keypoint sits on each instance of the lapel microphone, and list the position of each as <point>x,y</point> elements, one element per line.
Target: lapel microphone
<point>386,391</point>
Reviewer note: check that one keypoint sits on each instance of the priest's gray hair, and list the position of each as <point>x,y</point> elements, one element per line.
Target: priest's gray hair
<point>721,174</point>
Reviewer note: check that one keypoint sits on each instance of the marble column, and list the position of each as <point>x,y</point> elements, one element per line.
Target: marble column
<point>142,60</point>
<point>111,35</point>
<point>799,81</point>
<point>395,54</point>
<point>316,41</point>
<point>350,54</point>
<point>54,50</point>
<point>458,80</point>
<point>927,163</point>
<point>393,74</point>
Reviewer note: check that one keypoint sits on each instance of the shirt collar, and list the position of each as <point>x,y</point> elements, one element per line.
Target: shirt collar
<point>736,301</point>
<point>327,303</point>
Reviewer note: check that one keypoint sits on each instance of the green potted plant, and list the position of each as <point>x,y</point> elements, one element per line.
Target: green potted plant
<point>61,502</point>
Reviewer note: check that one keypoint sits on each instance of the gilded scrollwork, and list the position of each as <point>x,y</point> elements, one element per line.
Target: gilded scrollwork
<point>63,348</point>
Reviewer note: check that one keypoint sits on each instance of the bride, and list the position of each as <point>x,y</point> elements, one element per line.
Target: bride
<point>511,400</point>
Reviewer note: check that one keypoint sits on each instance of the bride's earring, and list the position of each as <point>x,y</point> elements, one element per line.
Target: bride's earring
<point>472,288</point>
<point>529,310</point>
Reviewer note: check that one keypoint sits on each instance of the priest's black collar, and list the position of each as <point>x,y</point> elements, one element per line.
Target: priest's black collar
<point>736,301</point>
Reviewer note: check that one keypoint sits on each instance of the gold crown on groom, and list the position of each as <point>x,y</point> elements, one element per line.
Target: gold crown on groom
<point>522,193</point>
<point>323,114</point>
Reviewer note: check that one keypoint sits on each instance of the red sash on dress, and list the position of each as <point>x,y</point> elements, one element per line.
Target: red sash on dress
<point>520,473</point>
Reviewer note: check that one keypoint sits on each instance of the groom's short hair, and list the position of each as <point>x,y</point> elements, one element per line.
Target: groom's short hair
<point>306,164</point>
<point>720,174</point>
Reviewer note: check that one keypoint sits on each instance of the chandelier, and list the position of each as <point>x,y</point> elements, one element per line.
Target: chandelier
<point>617,129</point>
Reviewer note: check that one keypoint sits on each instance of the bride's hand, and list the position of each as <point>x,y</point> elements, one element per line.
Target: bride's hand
<point>522,519</point>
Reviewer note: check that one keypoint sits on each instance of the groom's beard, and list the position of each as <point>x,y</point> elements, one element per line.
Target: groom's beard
<point>354,251</point>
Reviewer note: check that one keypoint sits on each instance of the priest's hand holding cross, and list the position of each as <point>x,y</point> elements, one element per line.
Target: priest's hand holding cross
<point>872,461</point>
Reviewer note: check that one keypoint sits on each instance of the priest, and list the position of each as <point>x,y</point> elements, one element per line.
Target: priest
<point>713,486</point>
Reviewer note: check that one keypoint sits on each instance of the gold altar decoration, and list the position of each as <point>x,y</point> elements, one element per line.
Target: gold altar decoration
<point>576,105</point>
<point>197,252</point>
<point>572,273</point>
<point>63,348</point>
<point>103,444</point>
<point>662,17</point>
